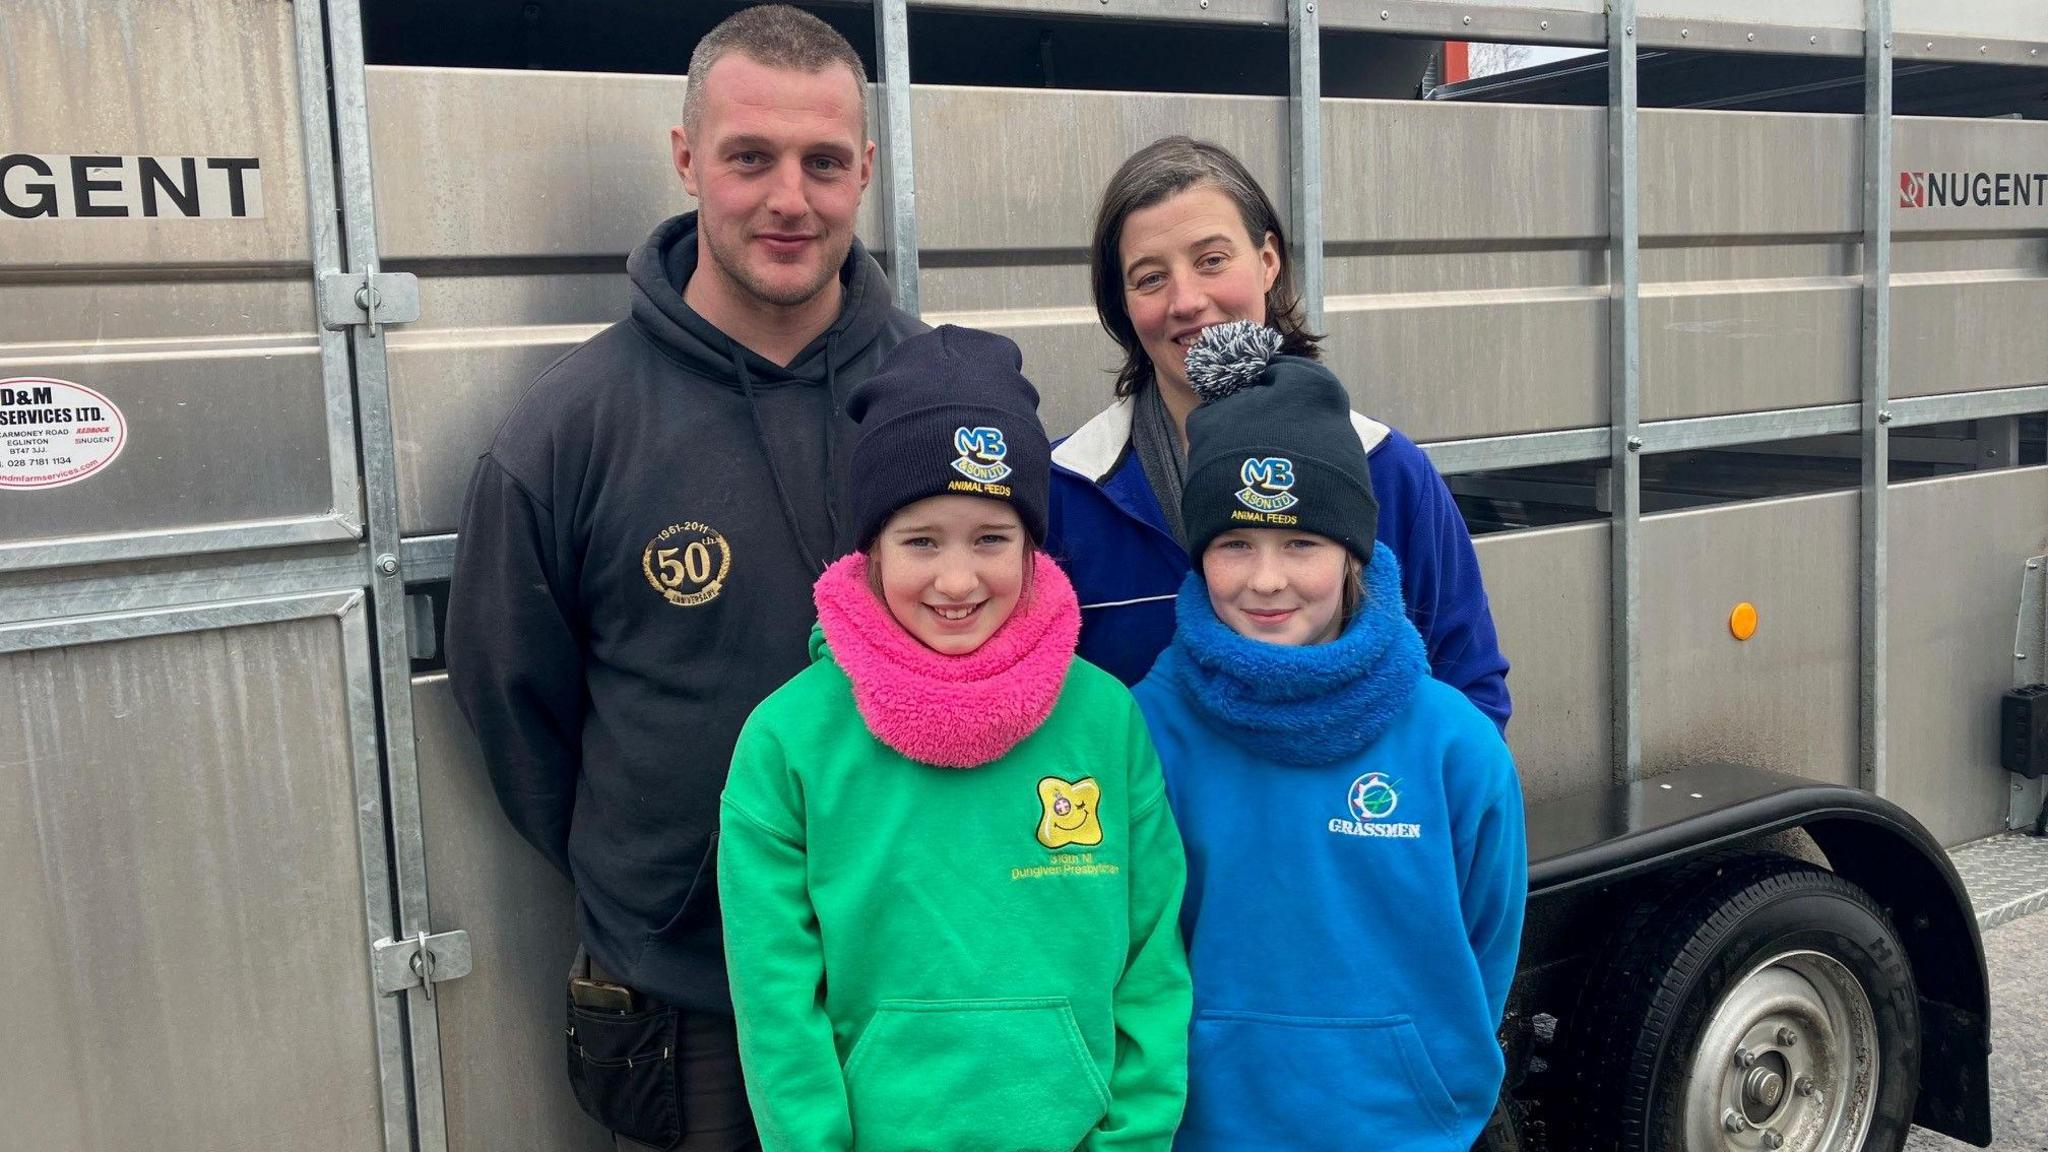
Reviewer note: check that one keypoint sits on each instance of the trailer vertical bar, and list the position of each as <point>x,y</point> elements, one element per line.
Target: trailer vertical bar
<point>1305,153</point>
<point>1624,365</point>
<point>899,179</point>
<point>385,577</point>
<point>323,209</point>
<point>1877,325</point>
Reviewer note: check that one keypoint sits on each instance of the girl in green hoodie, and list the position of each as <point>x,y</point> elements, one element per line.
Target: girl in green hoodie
<point>950,881</point>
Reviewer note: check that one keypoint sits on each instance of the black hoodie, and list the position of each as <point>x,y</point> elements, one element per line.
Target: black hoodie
<point>633,575</point>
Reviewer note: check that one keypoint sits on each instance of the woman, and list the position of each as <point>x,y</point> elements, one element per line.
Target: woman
<point>1356,858</point>
<point>1185,239</point>
<point>948,873</point>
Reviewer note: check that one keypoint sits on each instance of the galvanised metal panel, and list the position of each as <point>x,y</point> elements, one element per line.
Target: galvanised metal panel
<point>482,341</point>
<point>1784,699</point>
<point>122,79</point>
<point>182,883</point>
<point>502,1066</point>
<point>583,170</point>
<point>1995,19</point>
<point>1466,263</point>
<point>201,330</point>
<point>1548,589</point>
<point>1021,170</point>
<point>1958,546</point>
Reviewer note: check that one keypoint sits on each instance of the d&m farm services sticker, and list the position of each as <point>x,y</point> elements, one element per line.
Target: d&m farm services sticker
<point>54,432</point>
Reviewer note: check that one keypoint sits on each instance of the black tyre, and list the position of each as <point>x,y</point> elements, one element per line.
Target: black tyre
<point>1751,1003</point>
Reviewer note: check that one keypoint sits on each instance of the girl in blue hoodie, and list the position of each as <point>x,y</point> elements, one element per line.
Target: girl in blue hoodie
<point>1356,861</point>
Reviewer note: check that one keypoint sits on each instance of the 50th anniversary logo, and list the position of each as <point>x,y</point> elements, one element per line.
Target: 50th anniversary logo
<point>687,563</point>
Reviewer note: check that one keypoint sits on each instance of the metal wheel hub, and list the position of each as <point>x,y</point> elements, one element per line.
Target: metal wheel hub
<point>1787,1062</point>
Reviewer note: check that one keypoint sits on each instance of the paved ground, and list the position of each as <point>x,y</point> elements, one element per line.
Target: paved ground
<point>2018,955</point>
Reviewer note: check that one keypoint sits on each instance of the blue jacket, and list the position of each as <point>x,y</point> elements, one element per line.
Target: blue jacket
<point>1106,529</point>
<point>1357,870</point>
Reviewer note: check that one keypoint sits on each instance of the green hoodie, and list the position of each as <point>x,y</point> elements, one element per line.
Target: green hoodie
<point>949,959</point>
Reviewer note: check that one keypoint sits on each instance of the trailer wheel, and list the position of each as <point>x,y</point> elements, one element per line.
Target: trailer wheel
<point>1757,1003</point>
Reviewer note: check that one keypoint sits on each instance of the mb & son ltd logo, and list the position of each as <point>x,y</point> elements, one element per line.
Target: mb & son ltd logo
<point>1266,483</point>
<point>981,454</point>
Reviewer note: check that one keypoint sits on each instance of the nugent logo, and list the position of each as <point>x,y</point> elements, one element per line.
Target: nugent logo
<point>1973,189</point>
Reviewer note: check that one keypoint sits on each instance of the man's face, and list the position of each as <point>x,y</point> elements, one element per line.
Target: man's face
<point>777,162</point>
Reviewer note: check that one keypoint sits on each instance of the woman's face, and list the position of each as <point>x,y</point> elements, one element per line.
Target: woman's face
<point>1278,586</point>
<point>1188,263</point>
<point>952,569</point>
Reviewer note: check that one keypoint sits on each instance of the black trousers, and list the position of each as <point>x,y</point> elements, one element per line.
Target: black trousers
<point>714,1097</point>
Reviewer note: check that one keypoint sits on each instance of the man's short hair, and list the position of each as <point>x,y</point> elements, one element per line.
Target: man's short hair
<point>778,36</point>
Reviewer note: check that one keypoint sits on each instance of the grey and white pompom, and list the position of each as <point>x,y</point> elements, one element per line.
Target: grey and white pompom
<point>1228,357</point>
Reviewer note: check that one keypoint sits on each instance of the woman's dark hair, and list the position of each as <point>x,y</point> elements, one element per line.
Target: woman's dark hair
<point>1162,169</point>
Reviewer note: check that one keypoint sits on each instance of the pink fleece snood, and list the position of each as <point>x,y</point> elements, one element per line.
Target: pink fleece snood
<point>951,711</point>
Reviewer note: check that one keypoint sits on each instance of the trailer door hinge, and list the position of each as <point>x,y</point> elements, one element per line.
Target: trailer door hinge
<point>370,298</point>
<point>420,961</point>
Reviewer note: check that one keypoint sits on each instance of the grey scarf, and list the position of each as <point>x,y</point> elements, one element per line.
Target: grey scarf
<point>1159,453</point>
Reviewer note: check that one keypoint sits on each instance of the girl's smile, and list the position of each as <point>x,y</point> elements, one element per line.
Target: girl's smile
<point>1278,586</point>
<point>951,569</point>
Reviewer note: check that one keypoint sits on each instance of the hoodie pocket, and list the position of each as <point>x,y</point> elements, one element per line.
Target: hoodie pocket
<point>702,890</point>
<point>1312,1082</point>
<point>940,1075</point>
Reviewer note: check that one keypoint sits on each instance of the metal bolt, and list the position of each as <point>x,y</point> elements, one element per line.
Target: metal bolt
<point>387,564</point>
<point>1744,1058</point>
<point>1544,24</point>
<point>1684,32</point>
<point>2019,656</point>
<point>1468,21</point>
<point>1383,14</point>
<point>1205,4</point>
<point>2033,565</point>
<point>1635,443</point>
<point>1813,39</point>
<point>1751,37</point>
<point>1733,1121</point>
<point>1628,29</point>
<point>1983,48</point>
<point>1773,1140</point>
<point>1884,415</point>
<point>1803,1086</point>
<point>1787,1038</point>
<point>1930,45</point>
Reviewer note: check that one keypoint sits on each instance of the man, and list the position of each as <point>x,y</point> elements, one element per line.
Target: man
<point>638,546</point>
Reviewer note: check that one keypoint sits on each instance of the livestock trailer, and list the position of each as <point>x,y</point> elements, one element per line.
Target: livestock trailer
<point>1739,380</point>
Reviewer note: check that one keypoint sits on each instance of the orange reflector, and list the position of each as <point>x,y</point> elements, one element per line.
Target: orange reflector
<point>1742,621</point>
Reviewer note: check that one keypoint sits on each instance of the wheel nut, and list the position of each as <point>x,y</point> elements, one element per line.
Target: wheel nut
<point>1787,1038</point>
<point>1773,1140</point>
<point>1803,1086</point>
<point>1744,1058</point>
<point>1734,1122</point>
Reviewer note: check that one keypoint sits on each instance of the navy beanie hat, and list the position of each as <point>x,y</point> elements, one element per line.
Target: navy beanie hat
<point>1272,445</point>
<point>948,412</point>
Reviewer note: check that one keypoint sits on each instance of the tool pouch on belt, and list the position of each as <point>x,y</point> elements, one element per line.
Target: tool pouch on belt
<point>624,1068</point>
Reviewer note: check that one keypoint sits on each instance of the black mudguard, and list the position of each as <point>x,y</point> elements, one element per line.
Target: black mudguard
<point>1607,836</point>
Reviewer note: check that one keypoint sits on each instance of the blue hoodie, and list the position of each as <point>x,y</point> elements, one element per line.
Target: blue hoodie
<point>1106,530</point>
<point>1356,876</point>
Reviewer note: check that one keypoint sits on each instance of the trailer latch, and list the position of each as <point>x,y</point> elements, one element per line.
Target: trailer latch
<point>420,961</point>
<point>372,298</point>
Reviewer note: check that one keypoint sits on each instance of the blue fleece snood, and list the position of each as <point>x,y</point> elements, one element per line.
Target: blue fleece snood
<point>1308,705</point>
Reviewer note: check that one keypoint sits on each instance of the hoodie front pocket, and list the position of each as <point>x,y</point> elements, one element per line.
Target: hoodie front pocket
<point>1257,1080</point>
<point>952,1075</point>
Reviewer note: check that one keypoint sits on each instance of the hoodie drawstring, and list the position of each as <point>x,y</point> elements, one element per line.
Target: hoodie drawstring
<point>803,548</point>
<point>831,442</point>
